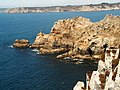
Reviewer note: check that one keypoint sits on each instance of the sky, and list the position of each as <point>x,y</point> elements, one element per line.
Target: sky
<point>44,3</point>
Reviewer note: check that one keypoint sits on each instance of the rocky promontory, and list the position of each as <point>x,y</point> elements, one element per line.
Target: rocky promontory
<point>79,38</point>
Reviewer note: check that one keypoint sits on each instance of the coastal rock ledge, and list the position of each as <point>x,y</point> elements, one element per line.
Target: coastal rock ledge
<point>79,38</point>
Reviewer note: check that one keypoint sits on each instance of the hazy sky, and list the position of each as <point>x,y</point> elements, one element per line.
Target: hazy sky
<point>43,3</point>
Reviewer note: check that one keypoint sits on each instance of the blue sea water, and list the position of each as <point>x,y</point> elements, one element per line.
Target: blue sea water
<point>22,69</point>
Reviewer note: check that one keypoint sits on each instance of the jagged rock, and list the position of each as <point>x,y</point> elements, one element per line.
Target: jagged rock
<point>107,76</point>
<point>79,86</point>
<point>41,38</point>
<point>81,36</point>
<point>23,43</point>
<point>62,56</point>
<point>33,46</point>
<point>52,51</point>
<point>77,37</point>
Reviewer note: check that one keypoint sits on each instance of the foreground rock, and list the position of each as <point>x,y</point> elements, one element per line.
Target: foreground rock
<point>23,43</point>
<point>107,76</point>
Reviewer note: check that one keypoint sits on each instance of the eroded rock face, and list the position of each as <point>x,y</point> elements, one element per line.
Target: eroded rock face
<point>23,43</point>
<point>81,35</point>
<point>78,37</point>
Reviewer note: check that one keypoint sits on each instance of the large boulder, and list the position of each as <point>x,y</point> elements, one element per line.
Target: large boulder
<point>23,43</point>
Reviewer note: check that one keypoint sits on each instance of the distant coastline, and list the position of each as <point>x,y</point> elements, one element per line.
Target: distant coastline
<point>69,8</point>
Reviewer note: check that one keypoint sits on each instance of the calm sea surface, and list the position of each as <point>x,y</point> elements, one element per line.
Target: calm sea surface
<point>25,70</point>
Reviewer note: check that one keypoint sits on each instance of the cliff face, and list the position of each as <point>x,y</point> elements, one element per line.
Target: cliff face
<point>91,7</point>
<point>80,36</point>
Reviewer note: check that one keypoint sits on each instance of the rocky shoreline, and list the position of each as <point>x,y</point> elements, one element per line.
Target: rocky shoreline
<point>69,8</point>
<point>77,38</point>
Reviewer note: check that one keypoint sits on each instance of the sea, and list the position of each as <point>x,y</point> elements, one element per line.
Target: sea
<point>25,69</point>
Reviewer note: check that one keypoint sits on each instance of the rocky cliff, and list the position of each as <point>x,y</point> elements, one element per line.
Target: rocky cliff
<point>107,76</point>
<point>79,37</point>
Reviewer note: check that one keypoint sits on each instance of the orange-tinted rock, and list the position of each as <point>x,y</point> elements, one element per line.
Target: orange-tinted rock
<point>80,34</point>
<point>23,43</point>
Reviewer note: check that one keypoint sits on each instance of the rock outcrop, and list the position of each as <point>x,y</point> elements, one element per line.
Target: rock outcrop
<point>78,38</point>
<point>23,43</point>
<point>107,76</point>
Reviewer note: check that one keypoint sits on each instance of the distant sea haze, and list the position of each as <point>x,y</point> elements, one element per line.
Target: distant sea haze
<point>24,69</point>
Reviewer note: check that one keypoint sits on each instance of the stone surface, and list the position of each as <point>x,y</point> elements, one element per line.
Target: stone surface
<point>23,43</point>
<point>77,38</point>
<point>81,37</point>
<point>79,86</point>
<point>107,76</point>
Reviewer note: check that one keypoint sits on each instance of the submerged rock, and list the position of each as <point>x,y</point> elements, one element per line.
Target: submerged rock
<point>23,43</point>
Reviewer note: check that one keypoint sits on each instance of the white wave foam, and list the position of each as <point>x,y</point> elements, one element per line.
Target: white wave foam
<point>11,46</point>
<point>38,53</point>
<point>34,50</point>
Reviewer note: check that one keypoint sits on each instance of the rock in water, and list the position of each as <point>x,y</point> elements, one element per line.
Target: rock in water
<point>78,36</point>
<point>23,43</point>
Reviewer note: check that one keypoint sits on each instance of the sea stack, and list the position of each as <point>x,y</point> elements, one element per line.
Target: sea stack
<point>23,43</point>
